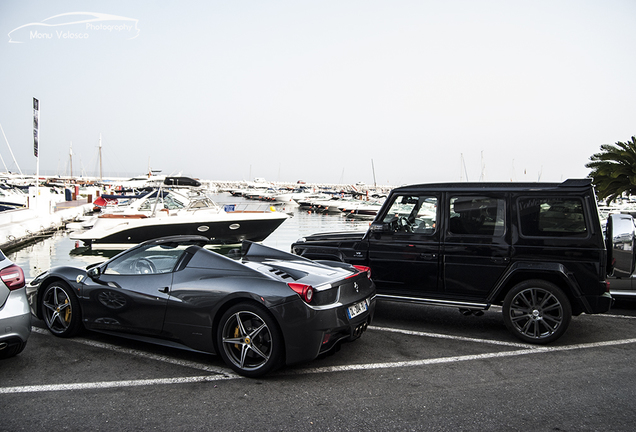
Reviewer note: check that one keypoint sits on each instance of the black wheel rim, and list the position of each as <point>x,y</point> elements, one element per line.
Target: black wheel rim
<point>536,313</point>
<point>57,309</point>
<point>247,340</point>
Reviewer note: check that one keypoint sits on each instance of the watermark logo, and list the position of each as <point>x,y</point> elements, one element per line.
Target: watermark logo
<point>76,26</point>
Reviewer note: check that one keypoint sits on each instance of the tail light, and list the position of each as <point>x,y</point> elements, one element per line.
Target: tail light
<point>306,292</point>
<point>363,269</point>
<point>12,276</point>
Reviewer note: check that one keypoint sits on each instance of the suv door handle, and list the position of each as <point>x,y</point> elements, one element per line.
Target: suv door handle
<point>499,260</point>
<point>428,256</point>
<point>164,290</point>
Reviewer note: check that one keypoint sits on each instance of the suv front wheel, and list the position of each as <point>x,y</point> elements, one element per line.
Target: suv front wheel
<point>537,311</point>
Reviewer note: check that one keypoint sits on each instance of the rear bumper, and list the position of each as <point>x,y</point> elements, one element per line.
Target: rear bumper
<point>599,304</point>
<point>15,317</point>
<point>310,332</point>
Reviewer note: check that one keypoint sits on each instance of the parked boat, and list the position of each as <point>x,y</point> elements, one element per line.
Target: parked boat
<point>179,211</point>
<point>357,208</point>
<point>13,197</point>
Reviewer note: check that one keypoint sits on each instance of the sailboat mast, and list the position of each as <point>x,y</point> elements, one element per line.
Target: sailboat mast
<point>100,157</point>
<point>373,169</point>
<point>462,168</point>
<point>10,151</point>
<point>70,156</point>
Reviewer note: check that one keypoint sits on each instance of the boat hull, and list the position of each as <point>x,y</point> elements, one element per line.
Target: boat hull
<point>113,233</point>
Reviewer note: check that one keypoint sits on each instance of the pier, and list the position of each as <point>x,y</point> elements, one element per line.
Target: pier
<point>45,215</point>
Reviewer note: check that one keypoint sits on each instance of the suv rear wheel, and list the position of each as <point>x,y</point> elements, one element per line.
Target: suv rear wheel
<point>537,311</point>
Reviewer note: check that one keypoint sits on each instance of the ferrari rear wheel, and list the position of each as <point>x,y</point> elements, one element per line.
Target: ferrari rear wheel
<point>60,310</point>
<point>249,340</point>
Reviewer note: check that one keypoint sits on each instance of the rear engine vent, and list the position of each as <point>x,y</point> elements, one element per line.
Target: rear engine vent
<point>281,274</point>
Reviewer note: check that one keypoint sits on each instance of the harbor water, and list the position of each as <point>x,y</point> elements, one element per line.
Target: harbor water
<point>59,249</point>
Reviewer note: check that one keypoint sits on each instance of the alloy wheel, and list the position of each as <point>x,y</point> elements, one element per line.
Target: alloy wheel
<point>58,310</point>
<point>247,340</point>
<point>536,313</point>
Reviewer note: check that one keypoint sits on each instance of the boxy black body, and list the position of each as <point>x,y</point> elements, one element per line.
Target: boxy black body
<point>537,249</point>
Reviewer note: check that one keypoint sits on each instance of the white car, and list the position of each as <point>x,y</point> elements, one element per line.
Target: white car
<point>15,312</point>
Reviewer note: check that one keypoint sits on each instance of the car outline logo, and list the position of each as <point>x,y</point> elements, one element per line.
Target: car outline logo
<point>96,18</point>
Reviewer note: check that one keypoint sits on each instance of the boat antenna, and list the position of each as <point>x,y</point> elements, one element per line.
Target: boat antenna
<point>11,151</point>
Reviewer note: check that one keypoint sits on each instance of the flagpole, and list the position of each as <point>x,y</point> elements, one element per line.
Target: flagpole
<point>36,145</point>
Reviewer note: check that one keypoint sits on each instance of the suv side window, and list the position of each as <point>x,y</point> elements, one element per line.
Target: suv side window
<point>552,217</point>
<point>477,215</point>
<point>412,214</point>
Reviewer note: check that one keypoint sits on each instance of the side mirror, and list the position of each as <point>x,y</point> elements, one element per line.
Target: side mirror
<point>94,272</point>
<point>620,245</point>
<point>379,227</point>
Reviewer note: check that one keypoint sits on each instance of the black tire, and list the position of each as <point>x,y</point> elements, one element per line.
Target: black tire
<point>249,340</point>
<point>12,350</point>
<point>61,310</point>
<point>537,311</point>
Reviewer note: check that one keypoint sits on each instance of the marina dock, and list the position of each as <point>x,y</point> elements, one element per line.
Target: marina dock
<point>45,216</point>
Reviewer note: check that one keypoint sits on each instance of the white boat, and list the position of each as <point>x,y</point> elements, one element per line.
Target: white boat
<point>329,205</point>
<point>177,212</point>
<point>357,208</point>
<point>13,197</point>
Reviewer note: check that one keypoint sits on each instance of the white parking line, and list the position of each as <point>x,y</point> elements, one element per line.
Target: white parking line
<point>222,374</point>
<point>456,359</point>
<point>460,338</point>
<point>111,384</point>
<point>615,316</point>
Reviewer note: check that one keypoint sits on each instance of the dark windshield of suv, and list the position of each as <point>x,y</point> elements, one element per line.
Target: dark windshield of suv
<point>552,217</point>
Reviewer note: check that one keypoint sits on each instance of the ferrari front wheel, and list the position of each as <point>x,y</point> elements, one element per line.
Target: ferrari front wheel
<point>60,310</point>
<point>249,340</point>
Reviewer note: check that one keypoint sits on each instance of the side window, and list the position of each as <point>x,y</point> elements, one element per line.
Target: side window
<point>412,214</point>
<point>477,215</point>
<point>552,217</point>
<point>149,260</point>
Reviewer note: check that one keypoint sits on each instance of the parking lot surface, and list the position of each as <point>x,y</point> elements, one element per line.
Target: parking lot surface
<point>416,368</point>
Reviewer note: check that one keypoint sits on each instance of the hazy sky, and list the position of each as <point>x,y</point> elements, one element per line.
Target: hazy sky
<point>317,90</point>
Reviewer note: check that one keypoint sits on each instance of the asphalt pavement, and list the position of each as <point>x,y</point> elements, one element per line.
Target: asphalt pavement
<point>416,368</point>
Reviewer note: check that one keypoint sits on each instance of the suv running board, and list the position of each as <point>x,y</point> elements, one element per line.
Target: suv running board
<point>434,302</point>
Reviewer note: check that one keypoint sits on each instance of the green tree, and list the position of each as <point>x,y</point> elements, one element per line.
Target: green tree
<point>614,169</point>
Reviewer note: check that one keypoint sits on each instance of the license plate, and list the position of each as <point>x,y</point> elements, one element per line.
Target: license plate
<point>357,309</point>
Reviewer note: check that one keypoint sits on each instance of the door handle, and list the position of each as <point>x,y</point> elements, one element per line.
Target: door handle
<point>164,290</point>
<point>499,260</point>
<point>428,256</point>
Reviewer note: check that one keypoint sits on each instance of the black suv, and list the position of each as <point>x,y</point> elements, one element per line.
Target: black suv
<point>537,249</point>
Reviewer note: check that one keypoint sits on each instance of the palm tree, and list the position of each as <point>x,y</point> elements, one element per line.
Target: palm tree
<point>614,169</point>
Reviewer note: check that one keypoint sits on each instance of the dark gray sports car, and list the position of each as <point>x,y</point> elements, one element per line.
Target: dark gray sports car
<point>258,308</point>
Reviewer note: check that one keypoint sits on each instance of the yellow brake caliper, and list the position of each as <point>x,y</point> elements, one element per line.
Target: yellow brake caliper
<point>67,313</point>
